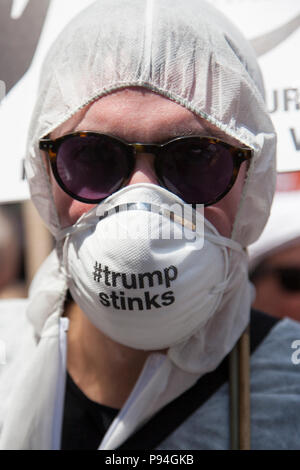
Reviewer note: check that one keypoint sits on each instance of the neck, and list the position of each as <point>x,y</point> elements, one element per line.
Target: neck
<point>104,370</point>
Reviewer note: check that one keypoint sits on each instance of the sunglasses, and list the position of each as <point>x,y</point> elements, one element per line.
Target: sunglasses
<point>90,166</point>
<point>288,277</point>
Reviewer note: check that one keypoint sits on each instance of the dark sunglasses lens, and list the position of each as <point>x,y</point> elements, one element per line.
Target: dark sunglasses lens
<point>197,170</point>
<point>290,279</point>
<point>92,167</point>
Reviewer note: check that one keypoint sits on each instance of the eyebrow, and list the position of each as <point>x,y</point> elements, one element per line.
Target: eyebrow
<point>175,131</point>
<point>180,131</point>
<point>204,128</point>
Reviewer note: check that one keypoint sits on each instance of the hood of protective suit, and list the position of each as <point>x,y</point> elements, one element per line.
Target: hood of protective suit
<point>182,50</point>
<point>189,53</point>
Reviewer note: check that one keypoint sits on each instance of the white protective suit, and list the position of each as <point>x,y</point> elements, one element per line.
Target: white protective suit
<point>185,51</point>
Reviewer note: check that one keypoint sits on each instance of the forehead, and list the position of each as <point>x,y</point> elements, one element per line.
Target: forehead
<point>137,114</point>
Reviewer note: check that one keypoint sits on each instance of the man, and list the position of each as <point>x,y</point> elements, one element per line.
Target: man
<point>10,255</point>
<point>275,257</point>
<point>144,105</point>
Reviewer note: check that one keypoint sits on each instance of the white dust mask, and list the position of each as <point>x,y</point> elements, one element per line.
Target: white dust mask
<point>146,274</point>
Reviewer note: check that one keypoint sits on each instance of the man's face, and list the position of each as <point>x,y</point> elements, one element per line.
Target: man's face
<point>138,115</point>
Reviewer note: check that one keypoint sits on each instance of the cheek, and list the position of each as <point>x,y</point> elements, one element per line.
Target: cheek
<point>69,210</point>
<point>291,306</point>
<point>218,217</point>
<point>222,214</point>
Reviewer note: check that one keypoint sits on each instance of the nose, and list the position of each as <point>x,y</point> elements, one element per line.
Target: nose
<point>144,171</point>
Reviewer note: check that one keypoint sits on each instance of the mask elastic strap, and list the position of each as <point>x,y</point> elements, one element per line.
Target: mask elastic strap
<point>63,248</point>
<point>64,233</point>
<point>225,242</point>
<point>239,393</point>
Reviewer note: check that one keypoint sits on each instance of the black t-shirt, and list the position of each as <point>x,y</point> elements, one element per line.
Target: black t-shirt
<point>85,422</point>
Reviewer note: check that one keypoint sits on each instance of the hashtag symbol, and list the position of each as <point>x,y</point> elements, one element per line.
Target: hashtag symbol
<point>97,272</point>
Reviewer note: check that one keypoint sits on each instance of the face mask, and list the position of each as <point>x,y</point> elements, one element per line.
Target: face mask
<point>146,275</point>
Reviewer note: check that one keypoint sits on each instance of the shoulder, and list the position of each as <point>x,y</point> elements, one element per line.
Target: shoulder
<point>275,395</point>
<point>16,340</point>
<point>12,318</point>
<point>277,349</point>
<point>15,331</point>
<point>8,306</point>
<point>275,388</point>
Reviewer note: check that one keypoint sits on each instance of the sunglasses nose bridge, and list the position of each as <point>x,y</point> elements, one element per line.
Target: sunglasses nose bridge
<point>144,148</point>
<point>144,168</point>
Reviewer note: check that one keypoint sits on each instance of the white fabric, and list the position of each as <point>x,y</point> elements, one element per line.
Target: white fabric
<point>131,268</point>
<point>191,54</point>
<point>114,44</point>
<point>16,340</point>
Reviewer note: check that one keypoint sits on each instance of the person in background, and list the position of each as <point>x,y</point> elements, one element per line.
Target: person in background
<point>275,257</point>
<point>11,280</point>
<point>144,106</point>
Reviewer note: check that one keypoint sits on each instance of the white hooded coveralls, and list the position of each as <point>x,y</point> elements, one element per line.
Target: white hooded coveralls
<point>191,54</point>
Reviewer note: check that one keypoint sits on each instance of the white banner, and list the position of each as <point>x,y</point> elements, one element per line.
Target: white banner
<point>32,25</point>
<point>18,25</point>
<point>273,27</point>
